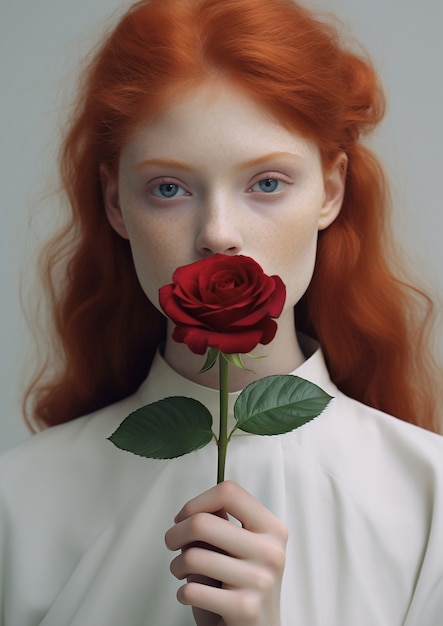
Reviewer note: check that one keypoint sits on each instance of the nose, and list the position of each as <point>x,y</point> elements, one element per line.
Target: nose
<point>219,228</point>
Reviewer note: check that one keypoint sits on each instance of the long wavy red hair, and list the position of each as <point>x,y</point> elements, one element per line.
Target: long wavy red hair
<point>370,324</point>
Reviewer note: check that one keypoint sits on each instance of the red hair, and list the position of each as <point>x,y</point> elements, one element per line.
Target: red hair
<point>371,325</point>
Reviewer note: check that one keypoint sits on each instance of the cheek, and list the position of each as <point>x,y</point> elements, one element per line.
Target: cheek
<point>295,260</point>
<point>148,274</point>
<point>150,258</point>
<point>157,250</point>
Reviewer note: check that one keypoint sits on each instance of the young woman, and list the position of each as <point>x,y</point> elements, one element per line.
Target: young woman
<point>228,127</point>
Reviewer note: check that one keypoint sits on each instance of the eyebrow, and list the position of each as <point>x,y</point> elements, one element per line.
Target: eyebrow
<point>165,163</point>
<point>273,156</point>
<point>266,158</point>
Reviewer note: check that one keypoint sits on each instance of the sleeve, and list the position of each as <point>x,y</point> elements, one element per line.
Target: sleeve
<point>426,607</point>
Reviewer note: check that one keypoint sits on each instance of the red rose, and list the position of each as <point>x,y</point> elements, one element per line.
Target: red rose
<point>223,302</point>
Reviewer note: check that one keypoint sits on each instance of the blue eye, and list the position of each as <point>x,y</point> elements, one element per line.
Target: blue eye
<point>168,190</point>
<point>268,185</point>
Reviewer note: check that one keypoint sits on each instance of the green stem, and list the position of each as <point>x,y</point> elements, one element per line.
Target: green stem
<point>223,432</point>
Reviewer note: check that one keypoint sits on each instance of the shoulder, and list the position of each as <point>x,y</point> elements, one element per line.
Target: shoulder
<point>67,456</point>
<point>377,430</point>
<point>351,438</point>
<point>374,453</point>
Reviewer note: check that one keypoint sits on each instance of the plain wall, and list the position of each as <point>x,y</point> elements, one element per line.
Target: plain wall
<point>41,44</point>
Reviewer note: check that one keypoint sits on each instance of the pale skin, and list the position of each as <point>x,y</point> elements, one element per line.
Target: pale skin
<point>249,561</point>
<point>217,173</point>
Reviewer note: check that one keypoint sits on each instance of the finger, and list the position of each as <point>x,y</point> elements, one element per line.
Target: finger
<point>230,497</point>
<point>234,606</point>
<point>233,573</point>
<point>205,528</point>
<point>204,597</point>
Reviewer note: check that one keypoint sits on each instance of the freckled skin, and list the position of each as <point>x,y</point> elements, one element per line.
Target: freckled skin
<point>218,173</point>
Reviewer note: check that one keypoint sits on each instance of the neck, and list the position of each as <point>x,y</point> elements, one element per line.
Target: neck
<point>282,356</point>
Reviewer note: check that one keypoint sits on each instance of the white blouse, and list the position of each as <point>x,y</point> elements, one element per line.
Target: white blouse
<point>82,523</point>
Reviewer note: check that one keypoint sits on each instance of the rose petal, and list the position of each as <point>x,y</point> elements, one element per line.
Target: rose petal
<point>223,302</point>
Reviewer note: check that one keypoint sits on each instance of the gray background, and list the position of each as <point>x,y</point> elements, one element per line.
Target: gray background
<point>41,45</point>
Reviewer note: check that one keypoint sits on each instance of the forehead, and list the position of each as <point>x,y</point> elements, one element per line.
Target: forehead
<point>215,115</point>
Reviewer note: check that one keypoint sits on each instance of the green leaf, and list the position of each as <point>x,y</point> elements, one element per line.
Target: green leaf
<point>165,429</point>
<point>210,360</point>
<point>278,404</point>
